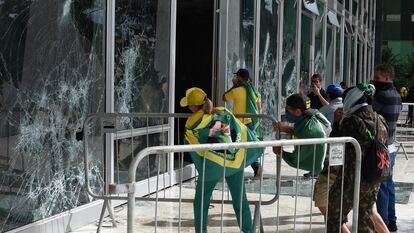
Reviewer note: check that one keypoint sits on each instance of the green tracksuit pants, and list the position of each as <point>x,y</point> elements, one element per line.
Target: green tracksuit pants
<point>235,183</point>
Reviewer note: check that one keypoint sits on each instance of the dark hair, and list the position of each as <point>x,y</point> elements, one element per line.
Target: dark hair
<point>363,99</point>
<point>386,69</point>
<point>243,74</point>
<point>333,96</point>
<point>317,76</point>
<point>296,101</point>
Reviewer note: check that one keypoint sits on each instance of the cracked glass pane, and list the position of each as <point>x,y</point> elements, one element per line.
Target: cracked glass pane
<point>306,50</point>
<point>329,55</point>
<point>320,64</point>
<point>52,63</point>
<point>240,38</point>
<point>289,80</point>
<point>142,61</point>
<point>268,72</point>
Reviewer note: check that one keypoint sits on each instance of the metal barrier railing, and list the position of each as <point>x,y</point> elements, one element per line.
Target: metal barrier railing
<point>404,134</point>
<point>126,126</point>
<point>224,146</point>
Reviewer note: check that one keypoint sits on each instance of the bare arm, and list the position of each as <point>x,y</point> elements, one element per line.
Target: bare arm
<point>317,92</point>
<point>259,106</point>
<point>235,84</point>
<point>282,128</point>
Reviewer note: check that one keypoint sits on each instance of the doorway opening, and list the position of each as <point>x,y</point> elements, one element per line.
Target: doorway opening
<point>194,54</point>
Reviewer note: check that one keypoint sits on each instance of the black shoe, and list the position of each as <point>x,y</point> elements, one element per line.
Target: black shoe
<point>309,175</point>
<point>392,227</point>
<point>258,172</point>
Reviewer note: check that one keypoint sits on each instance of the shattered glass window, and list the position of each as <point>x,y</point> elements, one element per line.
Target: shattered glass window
<point>346,58</point>
<point>240,38</point>
<point>338,55</point>
<point>305,50</point>
<point>289,81</point>
<point>329,55</point>
<point>142,61</point>
<point>52,76</point>
<point>320,65</point>
<point>268,59</point>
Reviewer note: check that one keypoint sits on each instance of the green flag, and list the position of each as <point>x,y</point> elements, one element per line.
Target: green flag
<point>252,96</point>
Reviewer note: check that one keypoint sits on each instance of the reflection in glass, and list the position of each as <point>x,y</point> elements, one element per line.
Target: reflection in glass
<point>305,48</point>
<point>52,77</point>
<point>142,58</point>
<point>240,37</point>
<point>338,54</point>
<point>268,78</point>
<point>289,81</point>
<point>320,66</point>
<point>359,62</point>
<point>346,58</point>
<point>329,55</point>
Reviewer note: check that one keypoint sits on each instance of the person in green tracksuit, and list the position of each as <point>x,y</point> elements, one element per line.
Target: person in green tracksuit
<point>308,123</point>
<point>218,125</point>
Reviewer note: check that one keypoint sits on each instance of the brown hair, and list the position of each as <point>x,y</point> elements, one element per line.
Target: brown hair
<point>317,76</point>
<point>386,69</point>
<point>208,106</point>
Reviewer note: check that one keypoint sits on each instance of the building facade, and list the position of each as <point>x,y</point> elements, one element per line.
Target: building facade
<point>63,60</point>
<point>399,27</point>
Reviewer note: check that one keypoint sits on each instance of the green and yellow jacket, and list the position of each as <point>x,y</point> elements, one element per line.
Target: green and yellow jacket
<point>197,131</point>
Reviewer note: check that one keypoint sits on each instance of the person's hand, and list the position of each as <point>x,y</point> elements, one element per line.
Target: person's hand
<point>338,114</point>
<point>216,127</point>
<point>316,90</point>
<point>235,82</point>
<point>279,126</point>
<point>277,149</point>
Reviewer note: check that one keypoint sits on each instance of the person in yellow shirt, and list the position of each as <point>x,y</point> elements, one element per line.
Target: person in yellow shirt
<point>246,99</point>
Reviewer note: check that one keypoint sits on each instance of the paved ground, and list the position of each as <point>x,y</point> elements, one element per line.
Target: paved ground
<point>169,213</point>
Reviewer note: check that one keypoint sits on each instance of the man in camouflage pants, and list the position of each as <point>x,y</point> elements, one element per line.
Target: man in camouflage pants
<point>357,114</point>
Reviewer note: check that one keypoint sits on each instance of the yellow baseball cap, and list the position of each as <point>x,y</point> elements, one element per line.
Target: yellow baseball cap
<point>193,96</point>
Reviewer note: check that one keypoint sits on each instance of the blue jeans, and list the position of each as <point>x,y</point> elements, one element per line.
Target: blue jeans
<point>386,197</point>
<point>256,164</point>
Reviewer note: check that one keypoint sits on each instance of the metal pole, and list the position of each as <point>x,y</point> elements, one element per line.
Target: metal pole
<point>356,184</point>
<point>297,187</point>
<point>256,42</point>
<point>224,146</point>
<point>298,40</point>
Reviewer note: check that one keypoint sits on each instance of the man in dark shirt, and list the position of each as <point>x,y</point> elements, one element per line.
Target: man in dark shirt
<point>387,102</point>
<point>318,96</point>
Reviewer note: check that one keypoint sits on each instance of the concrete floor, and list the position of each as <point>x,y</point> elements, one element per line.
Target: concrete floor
<point>168,214</point>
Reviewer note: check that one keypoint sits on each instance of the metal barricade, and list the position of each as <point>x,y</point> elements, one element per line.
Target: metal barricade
<point>263,144</point>
<point>128,126</point>
<point>404,134</point>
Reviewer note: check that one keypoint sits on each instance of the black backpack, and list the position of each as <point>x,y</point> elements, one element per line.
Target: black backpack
<point>376,164</point>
